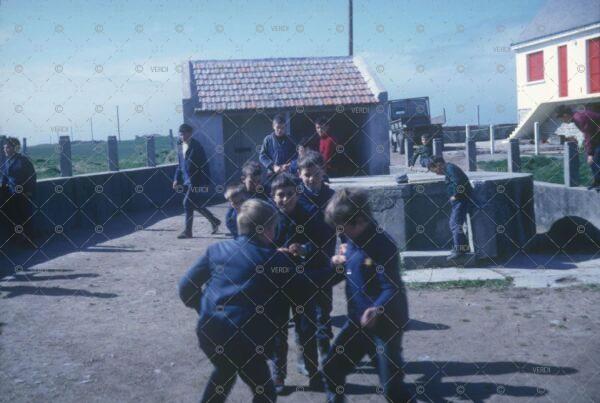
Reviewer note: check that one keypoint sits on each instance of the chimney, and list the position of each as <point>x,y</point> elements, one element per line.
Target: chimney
<point>350,33</point>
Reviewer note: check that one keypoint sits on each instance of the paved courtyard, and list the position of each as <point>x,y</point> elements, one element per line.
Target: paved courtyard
<point>105,324</point>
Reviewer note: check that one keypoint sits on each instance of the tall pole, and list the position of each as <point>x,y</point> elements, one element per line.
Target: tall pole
<point>350,31</point>
<point>118,125</point>
<point>477,116</point>
<point>91,128</point>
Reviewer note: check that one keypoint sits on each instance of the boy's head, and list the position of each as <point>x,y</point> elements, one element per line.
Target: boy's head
<point>283,192</point>
<point>257,218</point>
<point>437,165</point>
<point>253,176</point>
<point>185,132</point>
<point>279,125</point>
<point>310,167</point>
<point>564,113</point>
<point>11,146</point>
<point>322,126</point>
<point>349,212</point>
<point>425,139</point>
<point>236,195</point>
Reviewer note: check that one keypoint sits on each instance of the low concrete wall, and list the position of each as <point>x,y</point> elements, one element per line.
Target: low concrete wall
<point>553,202</point>
<point>416,214</point>
<point>90,202</point>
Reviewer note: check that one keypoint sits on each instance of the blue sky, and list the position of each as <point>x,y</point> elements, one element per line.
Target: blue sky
<point>63,62</point>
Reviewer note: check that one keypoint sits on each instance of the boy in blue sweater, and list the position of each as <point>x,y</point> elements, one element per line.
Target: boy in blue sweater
<point>460,193</point>
<point>300,231</point>
<point>243,282</point>
<point>377,304</point>
<point>254,180</point>
<point>315,193</point>
<point>278,151</point>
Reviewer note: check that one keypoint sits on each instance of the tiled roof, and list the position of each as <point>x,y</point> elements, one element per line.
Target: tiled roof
<point>279,83</point>
<point>557,16</point>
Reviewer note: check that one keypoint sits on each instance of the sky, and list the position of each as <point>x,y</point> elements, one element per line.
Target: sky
<point>65,66</point>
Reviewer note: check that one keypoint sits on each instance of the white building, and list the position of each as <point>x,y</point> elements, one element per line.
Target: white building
<point>557,62</point>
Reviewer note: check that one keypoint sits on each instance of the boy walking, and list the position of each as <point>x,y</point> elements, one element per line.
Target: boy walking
<point>238,307</point>
<point>460,193</point>
<point>193,174</point>
<point>377,304</point>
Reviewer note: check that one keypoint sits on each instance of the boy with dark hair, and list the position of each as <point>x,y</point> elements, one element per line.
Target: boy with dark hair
<point>253,179</point>
<point>299,232</point>
<point>460,193</point>
<point>424,151</point>
<point>243,281</point>
<point>316,194</point>
<point>235,195</point>
<point>588,122</point>
<point>327,144</point>
<point>278,151</point>
<point>377,304</point>
<point>193,173</point>
<point>17,185</point>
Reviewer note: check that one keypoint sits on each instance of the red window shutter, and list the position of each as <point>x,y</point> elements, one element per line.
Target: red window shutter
<point>593,51</point>
<point>563,82</point>
<point>535,66</point>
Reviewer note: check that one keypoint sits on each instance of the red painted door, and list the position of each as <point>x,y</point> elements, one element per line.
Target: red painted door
<point>593,51</point>
<point>563,83</point>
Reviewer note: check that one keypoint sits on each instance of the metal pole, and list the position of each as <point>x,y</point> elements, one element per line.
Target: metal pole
<point>467,133</point>
<point>514,156</point>
<point>350,30</point>
<point>477,115</point>
<point>571,164</point>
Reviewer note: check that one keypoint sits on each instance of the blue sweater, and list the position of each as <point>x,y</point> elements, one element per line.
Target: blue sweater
<point>243,290</point>
<point>373,280</point>
<point>18,171</point>
<point>276,151</point>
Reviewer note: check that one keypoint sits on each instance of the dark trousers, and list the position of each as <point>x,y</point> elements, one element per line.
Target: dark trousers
<point>306,329</point>
<point>195,199</point>
<point>324,308</point>
<point>350,346</point>
<point>458,216</point>
<point>596,166</point>
<point>238,357</point>
<point>17,210</point>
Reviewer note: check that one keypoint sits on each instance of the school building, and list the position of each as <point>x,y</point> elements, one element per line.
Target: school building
<point>231,103</point>
<point>557,62</point>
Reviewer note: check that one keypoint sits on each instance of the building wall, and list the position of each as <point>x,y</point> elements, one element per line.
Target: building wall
<point>531,94</point>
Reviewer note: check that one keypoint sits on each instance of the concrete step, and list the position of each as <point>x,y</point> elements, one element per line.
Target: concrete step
<point>426,259</point>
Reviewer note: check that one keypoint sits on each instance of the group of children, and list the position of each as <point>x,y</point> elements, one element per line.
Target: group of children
<point>282,265</point>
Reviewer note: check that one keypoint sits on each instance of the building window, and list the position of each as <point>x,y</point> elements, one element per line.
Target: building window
<point>593,52</point>
<point>535,66</point>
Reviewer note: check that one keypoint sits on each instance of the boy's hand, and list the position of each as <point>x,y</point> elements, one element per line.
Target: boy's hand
<point>590,160</point>
<point>283,250</point>
<point>369,317</point>
<point>452,198</point>
<point>277,168</point>
<point>296,249</point>
<point>174,185</point>
<point>338,260</point>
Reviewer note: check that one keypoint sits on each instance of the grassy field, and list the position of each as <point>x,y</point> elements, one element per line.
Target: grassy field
<point>544,169</point>
<point>88,156</point>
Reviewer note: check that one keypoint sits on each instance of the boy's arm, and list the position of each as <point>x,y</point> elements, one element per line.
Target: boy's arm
<point>389,281</point>
<point>190,285</point>
<point>263,156</point>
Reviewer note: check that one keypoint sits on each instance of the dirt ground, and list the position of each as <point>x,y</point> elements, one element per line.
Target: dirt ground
<point>106,324</point>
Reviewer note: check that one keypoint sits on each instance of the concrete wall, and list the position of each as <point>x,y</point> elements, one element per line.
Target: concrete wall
<point>553,202</point>
<point>86,201</point>
<point>375,141</point>
<point>416,214</point>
